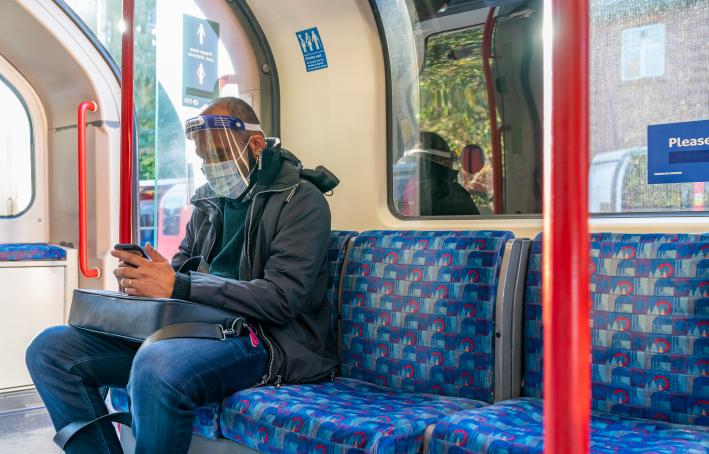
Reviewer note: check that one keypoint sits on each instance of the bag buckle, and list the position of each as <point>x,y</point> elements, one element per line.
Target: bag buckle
<point>233,330</point>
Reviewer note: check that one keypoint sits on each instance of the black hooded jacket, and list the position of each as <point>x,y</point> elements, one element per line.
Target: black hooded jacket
<point>284,266</point>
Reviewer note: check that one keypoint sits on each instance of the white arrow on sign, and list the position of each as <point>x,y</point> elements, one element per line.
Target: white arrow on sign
<point>201,74</point>
<point>201,33</point>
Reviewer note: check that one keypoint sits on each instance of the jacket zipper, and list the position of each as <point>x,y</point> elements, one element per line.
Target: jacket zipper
<point>271,358</point>
<point>267,377</point>
<point>211,244</point>
<point>251,217</point>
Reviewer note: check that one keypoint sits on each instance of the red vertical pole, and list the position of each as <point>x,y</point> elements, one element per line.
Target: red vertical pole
<point>497,199</point>
<point>566,244</point>
<point>125,230</point>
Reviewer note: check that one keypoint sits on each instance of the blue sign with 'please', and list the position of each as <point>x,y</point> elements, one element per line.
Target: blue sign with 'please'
<point>678,152</point>
<point>313,50</point>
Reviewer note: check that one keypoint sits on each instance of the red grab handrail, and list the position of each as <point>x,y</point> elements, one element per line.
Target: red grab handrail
<point>83,239</point>
<point>497,199</point>
<point>125,229</point>
<point>567,371</point>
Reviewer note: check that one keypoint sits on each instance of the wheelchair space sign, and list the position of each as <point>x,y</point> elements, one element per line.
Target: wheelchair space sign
<point>311,45</point>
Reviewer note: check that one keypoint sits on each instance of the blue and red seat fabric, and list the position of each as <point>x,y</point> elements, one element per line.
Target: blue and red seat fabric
<point>650,344</point>
<point>515,426</point>
<point>341,416</point>
<point>336,256</point>
<point>15,252</point>
<point>417,336</point>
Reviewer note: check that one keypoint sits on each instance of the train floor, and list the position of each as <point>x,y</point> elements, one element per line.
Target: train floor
<point>24,425</point>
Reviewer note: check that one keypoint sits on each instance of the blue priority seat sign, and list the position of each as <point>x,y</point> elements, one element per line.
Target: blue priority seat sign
<point>313,50</point>
<point>678,152</point>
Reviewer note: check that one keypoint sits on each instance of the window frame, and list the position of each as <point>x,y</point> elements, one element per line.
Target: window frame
<point>486,217</point>
<point>33,160</point>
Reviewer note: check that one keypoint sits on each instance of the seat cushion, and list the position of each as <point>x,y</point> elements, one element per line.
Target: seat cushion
<point>515,426</point>
<point>206,421</point>
<point>343,416</point>
<point>12,252</point>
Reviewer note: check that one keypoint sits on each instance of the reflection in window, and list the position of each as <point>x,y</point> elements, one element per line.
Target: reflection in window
<point>426,184</point>
<point>651,87</point>
<point>643,52</point>
<point>16,160</point>
<point>172,205</point>
<point>441,89</point>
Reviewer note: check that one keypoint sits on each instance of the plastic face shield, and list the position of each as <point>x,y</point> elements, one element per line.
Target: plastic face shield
<point>221,138</point>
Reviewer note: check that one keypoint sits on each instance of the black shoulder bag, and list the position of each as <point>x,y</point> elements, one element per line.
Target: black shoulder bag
<point>143,320</point>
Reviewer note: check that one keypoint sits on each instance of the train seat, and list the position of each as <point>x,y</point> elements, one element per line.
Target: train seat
<point>515,426</point>
<point>650,328</point>
<point>12,252</point>
<point>206,422</point>
<point>344,415</point>
<point>417,314</point>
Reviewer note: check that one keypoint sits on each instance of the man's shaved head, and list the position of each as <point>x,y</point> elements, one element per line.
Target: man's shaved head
<point>230,105</point>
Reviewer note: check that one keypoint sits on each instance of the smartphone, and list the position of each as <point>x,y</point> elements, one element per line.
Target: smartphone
<point>132,248</point>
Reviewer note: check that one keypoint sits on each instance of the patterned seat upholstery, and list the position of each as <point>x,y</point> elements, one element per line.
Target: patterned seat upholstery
<point>14,252</point>
<point>336,256</point>
<point>206,421</point>
<point>515,426</point>
<point>343,416</point>
<point>650,343</point>
<point>417,316</point>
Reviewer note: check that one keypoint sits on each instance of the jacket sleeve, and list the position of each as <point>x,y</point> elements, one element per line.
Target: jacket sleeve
<point>296,256</point>
<point>184,252</point>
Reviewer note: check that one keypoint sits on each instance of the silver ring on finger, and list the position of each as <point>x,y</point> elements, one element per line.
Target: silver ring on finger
<point>130,283</point>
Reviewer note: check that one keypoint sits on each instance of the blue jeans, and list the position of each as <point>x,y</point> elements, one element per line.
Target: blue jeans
<point>166,382</point>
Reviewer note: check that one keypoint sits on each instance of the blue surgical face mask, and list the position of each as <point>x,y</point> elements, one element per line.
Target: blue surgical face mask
<point>224,179</point>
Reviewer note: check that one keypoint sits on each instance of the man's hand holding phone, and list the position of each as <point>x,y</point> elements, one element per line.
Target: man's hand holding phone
<point>143,273</point>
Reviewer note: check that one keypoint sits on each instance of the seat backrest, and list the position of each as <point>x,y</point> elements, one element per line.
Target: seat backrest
<point>650,326</point>
<point>533,344</point>
<point>418,310</point>
<point>336,256</point>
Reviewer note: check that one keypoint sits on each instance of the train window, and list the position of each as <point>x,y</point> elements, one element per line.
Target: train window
<point>642,52</point>
<point>16,153</point>
<point>465,106</point>
<point>648,66</point>
<point>187,53</point>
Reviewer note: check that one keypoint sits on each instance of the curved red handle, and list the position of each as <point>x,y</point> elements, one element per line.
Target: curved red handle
<point>83,241</point>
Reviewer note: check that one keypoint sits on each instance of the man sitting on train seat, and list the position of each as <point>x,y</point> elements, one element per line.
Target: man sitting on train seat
<point>256,245</point>
<point>435,191</point>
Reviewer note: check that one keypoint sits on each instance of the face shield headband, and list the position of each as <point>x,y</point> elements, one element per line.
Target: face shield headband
<point>222,144</point>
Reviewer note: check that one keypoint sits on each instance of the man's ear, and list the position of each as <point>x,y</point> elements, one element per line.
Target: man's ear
<point>257,144</point>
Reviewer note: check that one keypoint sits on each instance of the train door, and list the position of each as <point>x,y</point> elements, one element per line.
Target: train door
<point>187,53</point>
<point>48,66</point>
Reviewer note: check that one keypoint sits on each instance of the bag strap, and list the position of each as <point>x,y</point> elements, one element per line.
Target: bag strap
<point>67,432</point>
<point>178,330</point>
<point>231,327</point>
<point>194,330</point>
